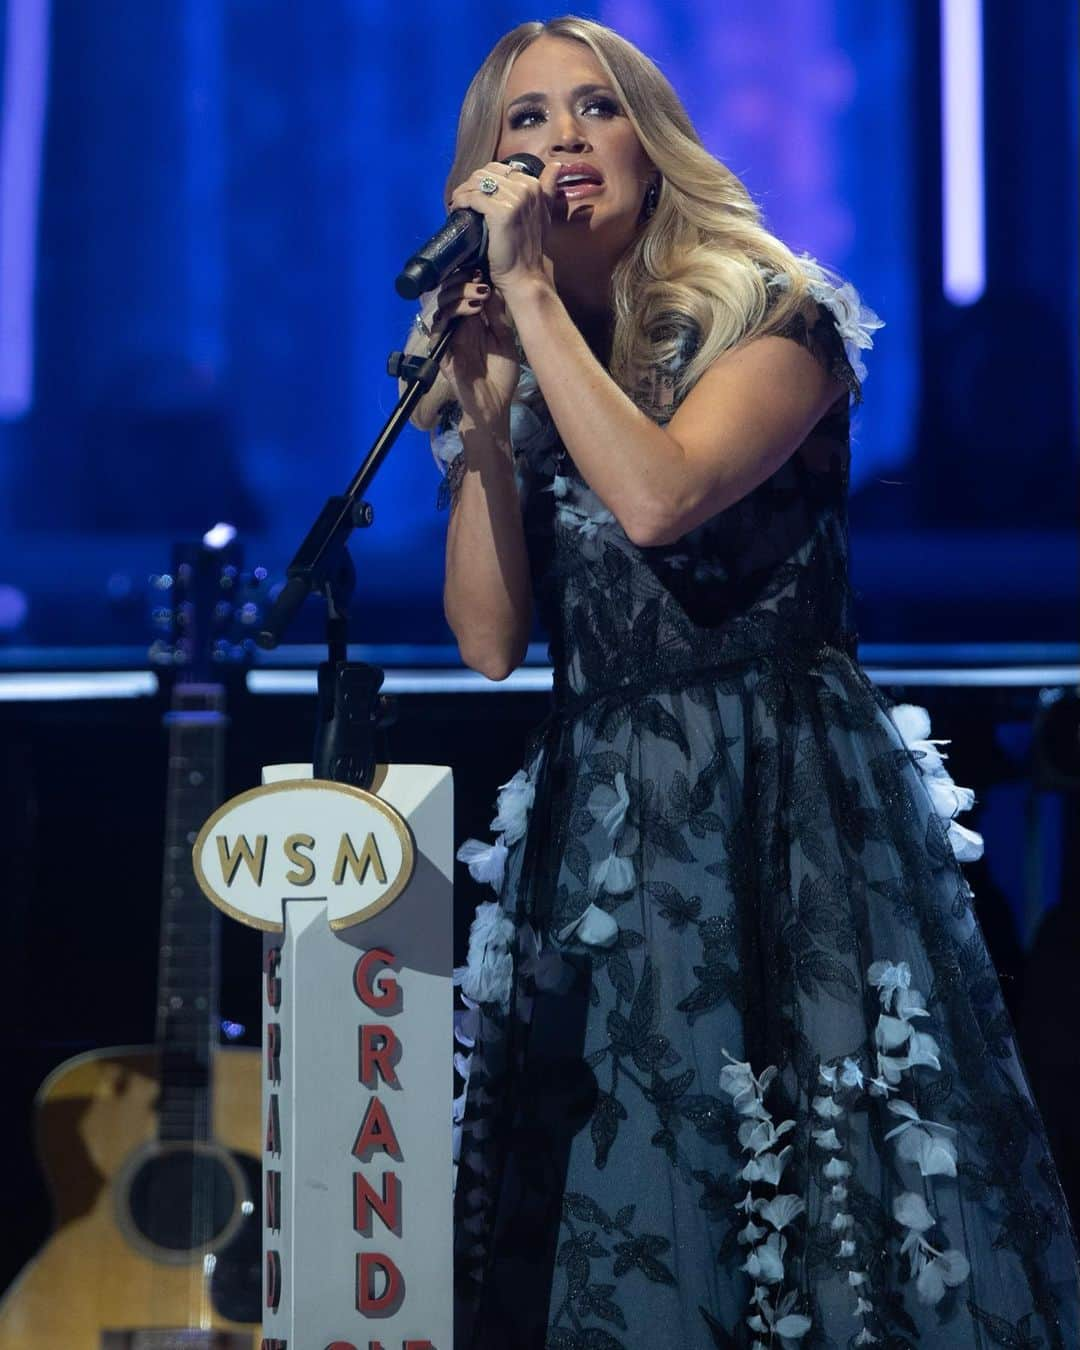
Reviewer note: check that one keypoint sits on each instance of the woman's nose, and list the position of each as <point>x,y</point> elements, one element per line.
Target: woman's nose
<point>568,140</point>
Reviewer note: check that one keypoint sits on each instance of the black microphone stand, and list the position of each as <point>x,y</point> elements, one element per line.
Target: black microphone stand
<point>350,710</point>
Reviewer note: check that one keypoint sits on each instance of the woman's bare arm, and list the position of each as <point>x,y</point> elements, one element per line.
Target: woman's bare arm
<point>486,596</point>
<point>748,412</point>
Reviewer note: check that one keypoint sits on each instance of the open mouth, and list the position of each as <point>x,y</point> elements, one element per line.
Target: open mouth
<point>579,180</point>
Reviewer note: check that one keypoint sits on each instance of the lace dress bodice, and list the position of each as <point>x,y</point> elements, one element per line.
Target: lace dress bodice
<point>769,572</point>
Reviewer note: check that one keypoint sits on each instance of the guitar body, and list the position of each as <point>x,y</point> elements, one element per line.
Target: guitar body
<point>151,1154</point>
<point>106,1281</point>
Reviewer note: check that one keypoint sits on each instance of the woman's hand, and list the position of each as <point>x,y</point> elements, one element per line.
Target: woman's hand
<point>481,364</point>
<point>518,214</point>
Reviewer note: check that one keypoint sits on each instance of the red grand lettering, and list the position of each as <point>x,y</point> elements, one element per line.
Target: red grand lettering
<point>273,1201</point>
<point>381,1056</point>
<point>376,1132</point>
<point>273,1051</point>
<point>385,998</point>
<point>273,982</point>
<point>273,1280</point>
<point>387,1205</point>
<point>367,1301</point>
<point>273,1127</point>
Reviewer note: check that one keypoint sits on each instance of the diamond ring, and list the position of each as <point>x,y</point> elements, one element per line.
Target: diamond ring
<point>488,185</point>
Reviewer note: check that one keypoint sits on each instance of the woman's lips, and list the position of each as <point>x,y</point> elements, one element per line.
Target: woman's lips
<point>573,191</point>
<point>579,180</point>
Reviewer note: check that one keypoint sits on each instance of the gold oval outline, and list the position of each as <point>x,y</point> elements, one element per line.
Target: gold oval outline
<point>397,821</point>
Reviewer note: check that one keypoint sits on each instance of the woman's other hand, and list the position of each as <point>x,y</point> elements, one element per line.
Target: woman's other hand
<point>481,364</point>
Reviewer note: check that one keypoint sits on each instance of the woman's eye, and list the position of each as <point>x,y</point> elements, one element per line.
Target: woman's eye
<point>523,117</point>
<point>533,116</point>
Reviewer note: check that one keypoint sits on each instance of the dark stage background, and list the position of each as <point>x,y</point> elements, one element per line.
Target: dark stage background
<point>203,204</point>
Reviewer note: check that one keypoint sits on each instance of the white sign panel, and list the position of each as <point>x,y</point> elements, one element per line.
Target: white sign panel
<point>357,1077</point>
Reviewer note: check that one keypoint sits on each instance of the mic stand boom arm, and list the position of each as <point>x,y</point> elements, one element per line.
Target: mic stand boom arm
<point>350,710</point>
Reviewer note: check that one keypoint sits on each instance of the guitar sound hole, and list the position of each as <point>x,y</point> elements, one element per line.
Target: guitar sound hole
<point>181,1201</point>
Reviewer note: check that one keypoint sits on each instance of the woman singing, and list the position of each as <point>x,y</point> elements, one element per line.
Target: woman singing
<point>740,1072</point>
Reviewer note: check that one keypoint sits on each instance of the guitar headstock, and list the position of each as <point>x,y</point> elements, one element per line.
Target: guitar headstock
<point>207,608</point>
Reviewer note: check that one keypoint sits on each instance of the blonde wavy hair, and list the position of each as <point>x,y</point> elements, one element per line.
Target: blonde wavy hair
<point>704,258</point>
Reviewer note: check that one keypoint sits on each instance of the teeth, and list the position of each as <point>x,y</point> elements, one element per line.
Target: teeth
<point>574,179</point>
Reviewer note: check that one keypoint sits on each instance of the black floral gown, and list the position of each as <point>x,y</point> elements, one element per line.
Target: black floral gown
<point>738,1069</point>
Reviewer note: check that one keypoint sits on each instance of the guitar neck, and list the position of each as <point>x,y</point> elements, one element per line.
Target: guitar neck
<point>188,969</point>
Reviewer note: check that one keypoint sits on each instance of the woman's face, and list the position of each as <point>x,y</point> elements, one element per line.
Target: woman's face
<point>559,105</point>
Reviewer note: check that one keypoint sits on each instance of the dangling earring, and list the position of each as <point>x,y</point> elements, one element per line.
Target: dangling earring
<point>652,197</point>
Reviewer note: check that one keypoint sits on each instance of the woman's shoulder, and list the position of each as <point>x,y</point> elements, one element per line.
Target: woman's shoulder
<point>832,323</point>
<point>830,320</point>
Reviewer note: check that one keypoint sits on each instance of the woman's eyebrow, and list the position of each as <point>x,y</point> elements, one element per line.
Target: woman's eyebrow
<point>537,97</point>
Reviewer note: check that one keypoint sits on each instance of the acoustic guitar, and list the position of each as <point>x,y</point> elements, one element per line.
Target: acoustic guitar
<point>152,1152</point>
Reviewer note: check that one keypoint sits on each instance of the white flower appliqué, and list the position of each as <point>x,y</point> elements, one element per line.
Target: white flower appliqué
<point>773,1313</point>
<point>841,1079</point>
<point>512,807</point>
<point>898,1048</point>
<point>913,724</point>
<point>613,875</point>
<point>487,973</point>
<point>578,507</point>
<point>854,320</point>
<point>466,1023</point>
<point>925,1143</point>
<point>594,926</point>
<point>933,1270</point>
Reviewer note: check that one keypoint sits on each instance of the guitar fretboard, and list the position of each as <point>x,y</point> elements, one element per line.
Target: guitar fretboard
<point>188,965</point>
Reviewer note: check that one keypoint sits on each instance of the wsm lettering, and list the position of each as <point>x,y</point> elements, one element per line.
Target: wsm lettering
<point>299,851</point>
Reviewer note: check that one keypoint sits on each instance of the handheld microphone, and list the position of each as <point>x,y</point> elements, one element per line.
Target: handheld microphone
<point>461,241</point>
